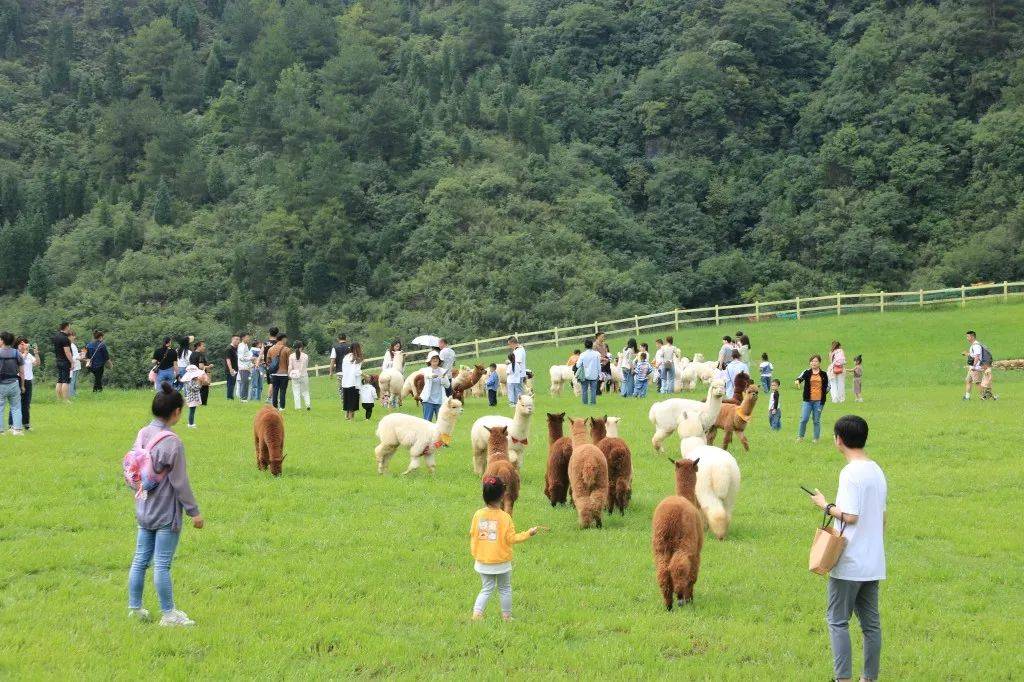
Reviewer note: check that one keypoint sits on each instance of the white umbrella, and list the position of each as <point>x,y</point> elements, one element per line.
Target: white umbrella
<point>426,340</point>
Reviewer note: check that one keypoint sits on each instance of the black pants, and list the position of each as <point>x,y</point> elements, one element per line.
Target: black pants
<point>26,403</point>
<point>97,378</point>
<point>278,391</point>
<point>191,415</point>
<point>231,386</point>
<point>369,409</point>
<point>492,397</point>
<point>204,394</point>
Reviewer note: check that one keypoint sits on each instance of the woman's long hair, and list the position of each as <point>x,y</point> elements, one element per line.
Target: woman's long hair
<point>835,344</point>
<point>632,344</point>
<point>356,351</point>
<point>297,348</point>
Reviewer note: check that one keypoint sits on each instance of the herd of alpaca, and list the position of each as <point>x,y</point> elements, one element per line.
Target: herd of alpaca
<point>591,468</point>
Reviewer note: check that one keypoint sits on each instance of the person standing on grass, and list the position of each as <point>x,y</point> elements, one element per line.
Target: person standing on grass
<point>492,533</point>
<point>271,341</point>
<point>30,360</point>
<point>298,374</point>
<point>668,367</point>
<point>256,374</point>
<point>184,358</point>
<point>12,383</point>
<point>351,380</point>
<point>725,352</point>
<point>159,512</point>
<point>76,365</point>
<point>815,385</point>
<point>447,362</point>
<point>627,363</point>
<point>98,359</point>
<point>62,351</point>
<point>231,365</point>
<point>279,359</point>
<point>642,370</point>
<point>837,372</point>
<point>244,366</point>
<point>492,385</point>
<point>433,393</point>
<point>975,363</point>
<point>589,372</point>
<point>165,362</point>
<point>515,378</point>
<point>774,411</point>
<point>860,508</point>
<point>367,398</point>
<point>200,360</point>
<point>338,353</point>
<point>193,392</point>
<point>735,367</point>
<point>743,346</point>
<point>858,374</point>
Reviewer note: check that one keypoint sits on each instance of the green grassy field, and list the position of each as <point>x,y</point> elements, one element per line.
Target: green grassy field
<point>333,571</point>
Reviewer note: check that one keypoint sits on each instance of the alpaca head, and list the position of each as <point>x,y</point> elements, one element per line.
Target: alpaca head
<point>497,440</point>
<point>578,429</point>
<point>716,389</point>
<point>525,404</point>
<point>612,426</point>
<point>750,393</point>
<point>597,427</point>
<point>451,408</point>
<point>698,357</point>
<point>686,477</point>
<point>555,425</point>
<point>679,569</point>
<point>275,465</point>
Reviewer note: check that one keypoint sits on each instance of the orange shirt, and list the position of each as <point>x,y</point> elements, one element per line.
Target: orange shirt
<point>573,359</point>
<point>491,536</point>
<point>815,386</point>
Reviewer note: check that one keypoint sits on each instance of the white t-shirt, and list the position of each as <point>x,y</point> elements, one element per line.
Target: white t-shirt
<point>76,362</point>
<point>244,357</point>
<point>974,352</point>
<point>367,394</point>
<point>519,375</point>
<point>447,356</point>
<point>862,491</point>
<point>183,358</point>
<point>350,372</point>
<point>30,362</point>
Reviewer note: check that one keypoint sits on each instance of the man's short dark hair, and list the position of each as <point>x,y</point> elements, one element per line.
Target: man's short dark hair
<point>64,325</point>
<point>852,430</point>
<point>494,365</point>
<point>588,343</point>
<point>735,355</point>
<point>727,339</point>
<point>167,340</point>
<point>971,332</point>
<point>342,337</point>
<point>23,339</point>
<point>8,338</point>
<point>273,331</point>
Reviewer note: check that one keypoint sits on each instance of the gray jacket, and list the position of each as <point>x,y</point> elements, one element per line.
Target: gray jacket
<point>163,504</point>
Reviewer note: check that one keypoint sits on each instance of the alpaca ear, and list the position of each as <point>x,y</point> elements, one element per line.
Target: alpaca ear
<point>671,460</point>
<point>695,463</point>
<point>488,429</point>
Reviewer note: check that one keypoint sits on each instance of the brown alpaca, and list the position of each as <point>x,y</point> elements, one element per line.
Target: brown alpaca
<point>463,381</point>
<point>620,463</point>
<point>418,380</point>
<point>588,476</point>
<point>556,480</point>
<point>739,385</point>
<point>677,535</point>
<point>268,432</point>
<point>734,419</point>
<point>498,465</point>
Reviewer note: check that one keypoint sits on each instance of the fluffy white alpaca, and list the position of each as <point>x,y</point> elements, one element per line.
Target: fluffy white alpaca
<point>617,377</point>
<point>679,364</point>
<point>391,381</point>
<point>718,483</point>
<point>518,432</point>
<point>502,371</point>
<point>409,388</point>
<point>423,438</point>
<point>696,371</point>
<point>668,415</point>
<point>560,376</point>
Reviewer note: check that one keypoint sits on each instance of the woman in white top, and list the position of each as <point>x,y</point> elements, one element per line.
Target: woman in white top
<point>298,372</point>
<point>393,357</point>
<point>76,366</point>
<point>31,358</point>
<point>351,379</point>
<point>837,372</point>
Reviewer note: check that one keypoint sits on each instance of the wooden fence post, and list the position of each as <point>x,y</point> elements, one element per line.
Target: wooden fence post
<point>596,330</point>
<point>1006,291</point>
<point>716,314</point>
<point>757,311</point>
<point>798,307</point>
<point>839,305</point>
<point>920,298</point>
<point>476,347</point>
<point>636,324</point>
<point>677,318</point>
<point>963,295</point>
<point>556,337</point>
<point>881,301</point>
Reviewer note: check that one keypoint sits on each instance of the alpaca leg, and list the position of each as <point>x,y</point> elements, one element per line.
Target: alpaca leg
<point>743,440</point>
<point>727,440</point>
<point>712,434</point>
<point>383,453</point>
<point>431,463</point>
<point>479,461</point>
<point>414,463</point>
<point>665,583</point>
<point>659,437</point>
<point>694,570</point>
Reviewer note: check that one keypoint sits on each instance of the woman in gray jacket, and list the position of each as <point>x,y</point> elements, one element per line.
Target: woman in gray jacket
<point>159,511</point>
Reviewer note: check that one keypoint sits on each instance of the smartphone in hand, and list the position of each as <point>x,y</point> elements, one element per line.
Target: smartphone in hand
<point>809,492</point>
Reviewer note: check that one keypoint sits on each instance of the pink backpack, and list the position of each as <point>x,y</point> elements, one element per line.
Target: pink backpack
<point>139,474</point>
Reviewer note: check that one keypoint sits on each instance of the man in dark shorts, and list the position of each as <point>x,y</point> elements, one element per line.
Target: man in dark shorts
<point>62,352</point>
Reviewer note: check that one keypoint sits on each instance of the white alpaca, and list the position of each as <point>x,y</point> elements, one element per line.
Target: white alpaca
<point>718,483</point>
<point>421,437</point>
<point>679,364</point>
<point>409,388</point>
<point>668,415</point>
<point>391,380</point>
<point>502,371</point>
<point>617,377</point>
<point>518,432</point>
<point>560,376</point>
<point>695,371</point>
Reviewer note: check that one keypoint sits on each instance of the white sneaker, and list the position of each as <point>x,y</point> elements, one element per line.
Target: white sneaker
<point>192,426</point>
<point>17,432</point>
<point>176,618</point>
<point>138,614</point>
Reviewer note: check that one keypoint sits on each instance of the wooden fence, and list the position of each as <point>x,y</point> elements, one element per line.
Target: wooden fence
<point>793,308</point>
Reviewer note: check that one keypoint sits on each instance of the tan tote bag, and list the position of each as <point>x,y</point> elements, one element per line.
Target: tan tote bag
<point>827,546</point>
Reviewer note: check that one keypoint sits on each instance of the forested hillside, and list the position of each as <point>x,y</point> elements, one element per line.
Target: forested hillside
<point>389,167</point>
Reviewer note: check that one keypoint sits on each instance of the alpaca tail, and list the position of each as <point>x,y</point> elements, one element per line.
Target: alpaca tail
<point>718,519</point>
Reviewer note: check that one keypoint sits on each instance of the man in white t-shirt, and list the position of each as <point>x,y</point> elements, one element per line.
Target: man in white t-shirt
<point>667,365</point>
<point>974,369</point>
<point>516,375</point>
<point>244,367</point>
<point>853,582</point>
<point>447,356</point>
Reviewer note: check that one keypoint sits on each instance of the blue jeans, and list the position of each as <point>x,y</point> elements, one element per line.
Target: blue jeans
<point>163,375</point>
<point>627,383</point>
<point>775,420</point>
<point>10,393</point>
<point>811,408</point>
<point>589,388</point>
<point>766,383</point>
<point>256,385</point>
<point>668,379</point>
<point>501,581</point>
<point>640,388</point>
<point>242,384</point>
<point>430,410</point>
<point>73,386</point>
<point>514,391</point>
<point>156,546</point>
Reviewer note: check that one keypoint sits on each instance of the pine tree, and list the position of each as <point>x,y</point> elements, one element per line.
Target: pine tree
<point>163,209</point>
<point>216,181</point>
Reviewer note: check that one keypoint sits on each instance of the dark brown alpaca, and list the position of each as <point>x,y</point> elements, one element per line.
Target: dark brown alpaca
<point>739,385</point>
<point>734,419</point>
<point>677,535</point>
<point>499,466</point>
<point>464,381</point>
<point>556,480</point>
<point>418,380</point>
<point>588,476</point>
<point>268,432</point>
<point>620,462</point>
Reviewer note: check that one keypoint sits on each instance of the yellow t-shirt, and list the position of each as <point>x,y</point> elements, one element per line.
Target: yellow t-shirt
<point>491,536</point>
<point>815,387</point>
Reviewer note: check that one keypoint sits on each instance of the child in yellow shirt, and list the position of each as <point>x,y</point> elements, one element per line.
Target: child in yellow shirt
<point>491,536</point>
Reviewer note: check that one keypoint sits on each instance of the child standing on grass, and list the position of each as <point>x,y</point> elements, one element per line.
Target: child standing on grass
<point>193,392</point>
<point>858,372</point>
<point>367,397</point>
<point>774,412</point>
<point>641,373</point>
<point>491,536</point>
<point>492,385</point>
<point>766,368</point>
<point>158,513</point>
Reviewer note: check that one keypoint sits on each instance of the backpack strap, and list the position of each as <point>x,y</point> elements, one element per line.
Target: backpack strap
<point>156,440</point>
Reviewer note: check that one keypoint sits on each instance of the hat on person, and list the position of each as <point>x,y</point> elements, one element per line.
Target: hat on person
<point>191,372</point>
